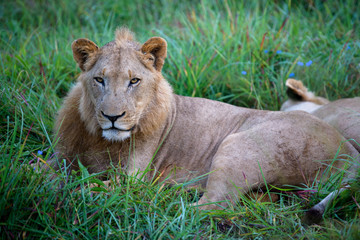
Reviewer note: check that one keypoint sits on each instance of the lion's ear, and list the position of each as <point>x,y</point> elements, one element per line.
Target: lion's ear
<point>157,47</point>
<point>83,49</point>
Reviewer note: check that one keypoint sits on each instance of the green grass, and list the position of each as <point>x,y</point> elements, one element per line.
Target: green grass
<point>210,44</point>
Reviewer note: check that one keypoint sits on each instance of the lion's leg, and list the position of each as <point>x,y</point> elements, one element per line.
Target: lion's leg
<point>139,163</point>
<point>236,168</point>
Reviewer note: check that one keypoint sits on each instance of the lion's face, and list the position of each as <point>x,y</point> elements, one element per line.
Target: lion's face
<point>121,83</point>
<point>121,88</point>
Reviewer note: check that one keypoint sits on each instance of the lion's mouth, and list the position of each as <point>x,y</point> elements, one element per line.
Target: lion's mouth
<point>117,134</point>
<point>119,129</point>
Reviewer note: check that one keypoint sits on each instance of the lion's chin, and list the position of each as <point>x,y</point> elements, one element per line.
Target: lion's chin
<point>115,135</point>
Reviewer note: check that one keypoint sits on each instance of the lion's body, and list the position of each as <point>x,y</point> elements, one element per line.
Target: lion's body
<point>190,136</point>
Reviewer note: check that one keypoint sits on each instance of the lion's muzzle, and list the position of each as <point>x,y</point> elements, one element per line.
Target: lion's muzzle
<point>113,118</point>
<point>114,131</point>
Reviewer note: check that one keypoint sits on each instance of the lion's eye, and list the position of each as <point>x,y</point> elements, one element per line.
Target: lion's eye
<point>134,81</point>
<point>99,80</point>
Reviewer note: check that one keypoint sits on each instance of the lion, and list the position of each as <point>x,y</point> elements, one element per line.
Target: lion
<point>122,108</point>
<point>343,114</point>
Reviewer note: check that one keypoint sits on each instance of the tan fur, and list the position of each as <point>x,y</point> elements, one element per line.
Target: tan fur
<point>343,114</point>
<point>190,136</point>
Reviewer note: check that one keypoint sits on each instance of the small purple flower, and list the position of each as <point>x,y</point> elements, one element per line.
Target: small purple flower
<point>40,152</point>
<point>266,51</point>
<point>348,47</point>
<point>291,74</point>
<point>308,63</point>
<point>300,63</point>
<point>34,168</point>
<point>278,51</point>
<point>243,72</point>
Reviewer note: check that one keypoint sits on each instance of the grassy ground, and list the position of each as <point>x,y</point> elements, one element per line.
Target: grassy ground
<point>240,53</point>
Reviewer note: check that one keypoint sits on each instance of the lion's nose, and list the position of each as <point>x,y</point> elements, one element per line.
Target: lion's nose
<point>113,118</point>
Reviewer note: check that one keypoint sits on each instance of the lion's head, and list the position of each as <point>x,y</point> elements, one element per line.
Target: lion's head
<point>123,91</point>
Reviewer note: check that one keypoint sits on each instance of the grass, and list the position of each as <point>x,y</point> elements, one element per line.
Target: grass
<point>231,51</point>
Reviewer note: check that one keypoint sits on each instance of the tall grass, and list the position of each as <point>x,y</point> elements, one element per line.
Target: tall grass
<point>240,52</point>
